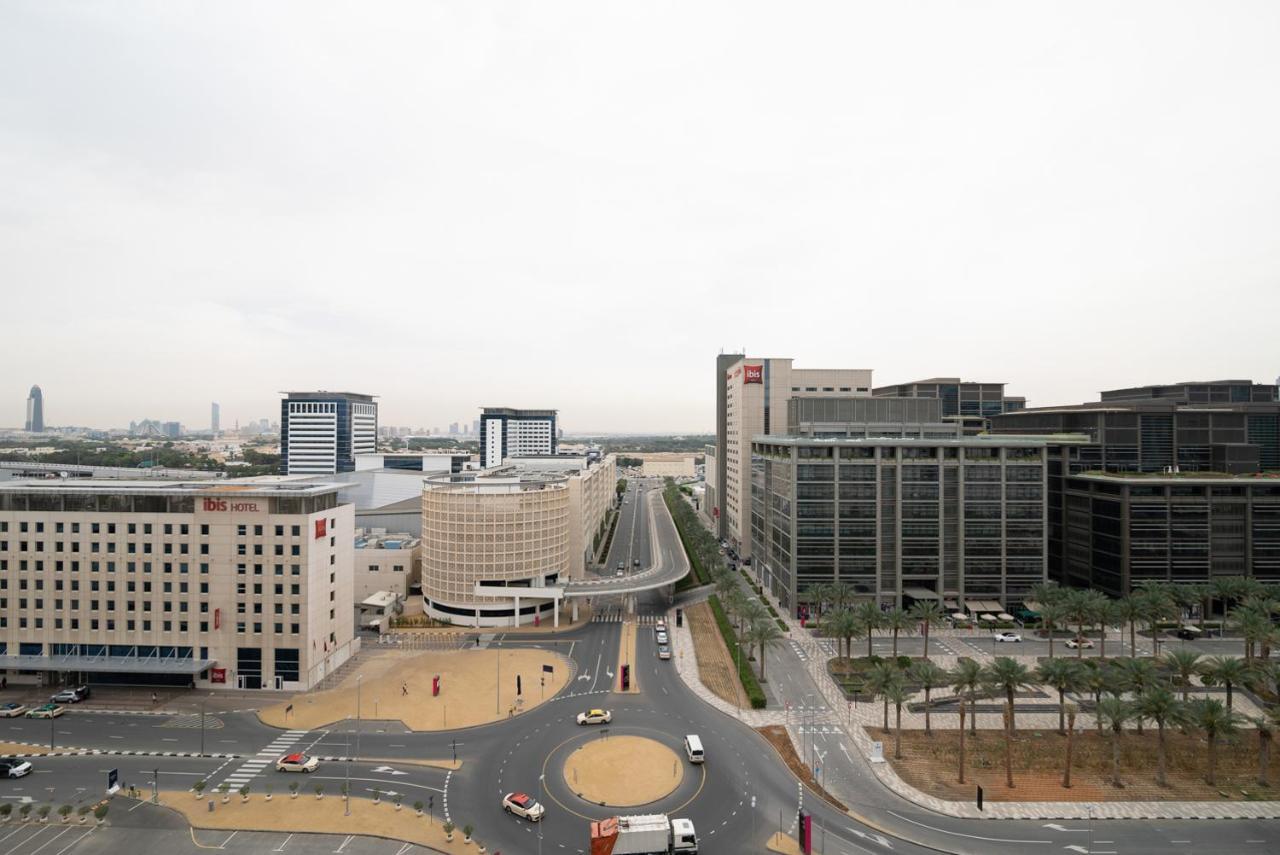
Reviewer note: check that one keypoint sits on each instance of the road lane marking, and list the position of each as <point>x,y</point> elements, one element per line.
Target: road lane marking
<point>49,841</point>
<point>73,842</point>
<point>959,834</point>
<point>280,848</point>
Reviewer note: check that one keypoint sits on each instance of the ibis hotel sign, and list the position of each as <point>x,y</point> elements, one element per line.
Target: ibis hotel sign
<point>211,505</point>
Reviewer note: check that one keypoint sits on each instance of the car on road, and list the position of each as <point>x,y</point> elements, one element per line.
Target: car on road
<point>12,710</point>
<point>622,565</point>
<point>14,768</point>
<point>1075,643</point>
<point>664,652</point>
<point>1007,636</point>
<point>523,805</point>
<point>297,763</point>
<point>595,717</point>
<point>69,696</point>
<point>46,711</point>
<point>660,626</point>
<point>662,636</point>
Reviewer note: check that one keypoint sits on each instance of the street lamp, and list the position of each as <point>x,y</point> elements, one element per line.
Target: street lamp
<point>358,678</point>
<point>346,789</point>
<point>542,796</point>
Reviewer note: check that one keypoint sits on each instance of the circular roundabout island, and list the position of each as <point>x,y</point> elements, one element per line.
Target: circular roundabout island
<point>623,771</point>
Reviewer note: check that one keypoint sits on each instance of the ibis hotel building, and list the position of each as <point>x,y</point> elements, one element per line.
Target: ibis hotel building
<point>221,584</point>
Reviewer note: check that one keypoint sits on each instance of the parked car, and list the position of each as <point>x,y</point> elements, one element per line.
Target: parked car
<point>1188,633</point>
<point>635,562</point>
<point>595,717</point>
<point>297,763</point>
<point>66,696</point>
<point>664,652</point>
<point>1074,643</point>
<point>1007,636</point>
<point>662,636</point>
<point>14,768</point>
<point>12,710</point>
<point>523,805</point>
<point>46,711</point>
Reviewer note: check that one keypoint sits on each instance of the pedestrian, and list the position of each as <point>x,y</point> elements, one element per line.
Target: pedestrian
<point>153,699</point>
<point>404,689</point>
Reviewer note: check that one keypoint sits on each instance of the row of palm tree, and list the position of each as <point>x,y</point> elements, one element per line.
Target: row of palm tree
<point>1125,692</point>
<point>848,619</point>
<point>756,627</point>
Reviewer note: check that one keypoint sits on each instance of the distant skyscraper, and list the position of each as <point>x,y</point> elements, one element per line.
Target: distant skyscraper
<point>35,410</point>
<point>322,432</point>
<point>215,416</point>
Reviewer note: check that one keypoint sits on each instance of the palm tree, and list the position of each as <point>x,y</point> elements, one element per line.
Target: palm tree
<point>1071,733</point>
<point>764,633</point>
<point>1139,675</point>
<point>930,676</point>
<point>1100,678</point>
<point>870,618</point>
<point>1158,704</point>
<point>753,611</point>
<point>928,613</point>
<point>1156,606</point>
<point>841,594</point>
<point>966,679</point>
<point>1266,725</point>
<point>818,595</point>
<point>1065,676</point>
<point>1080,606</point>
<point>1253,624</point>
<point>1216,721</point>
<point>1008,745</point>
<point>1045,593</point>
<point>896,693</point>
<point>1051,616</point>
<point>1129,610</point>
<point>1115,712</point>
<point>1106,612</point>
<point>960,710</point>
<point>878,679</point>
<point>1008,675</point>
<point>1184,664</point>
<point>843,626</point>
<point>896,619</point>
<point>1224,671</point>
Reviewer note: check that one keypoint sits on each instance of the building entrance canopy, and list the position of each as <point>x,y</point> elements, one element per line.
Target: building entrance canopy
<point>101,664</point>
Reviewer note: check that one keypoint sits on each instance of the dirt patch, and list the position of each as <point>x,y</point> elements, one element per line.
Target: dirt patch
<point>627,656</point>
<point>397,686</point>
<point>777,736</point>
<point>931,764</point>
<point>324,816</point>
<point>715,665</point>
<point>10,748</point>
<point>784,843</point>
<point>623,771</point>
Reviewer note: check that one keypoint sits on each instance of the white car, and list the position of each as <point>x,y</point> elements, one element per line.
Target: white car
<point>664,652</point>
<point>297,763</point>
<point>523,805</point>
<point>595,717</point>
<point>1074,643</point>
<point>662,636</point>
<point>12,710</point>
<point>14,768</point>
<point>660,626</point>
<point>1007,636</point>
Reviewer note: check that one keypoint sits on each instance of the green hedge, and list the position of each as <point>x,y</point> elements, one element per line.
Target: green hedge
<point>680,514</point>
<point>746,676</point>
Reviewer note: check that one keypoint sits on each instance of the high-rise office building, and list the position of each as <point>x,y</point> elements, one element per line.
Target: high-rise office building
<point>970,404</point>
<point>35,410</point>
<point>757,392</point>
<point>322,432</point>
<point>215,417</point>
<point>507,432</point>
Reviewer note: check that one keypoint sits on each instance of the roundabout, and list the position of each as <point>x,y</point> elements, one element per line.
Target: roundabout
<point>625,771</point>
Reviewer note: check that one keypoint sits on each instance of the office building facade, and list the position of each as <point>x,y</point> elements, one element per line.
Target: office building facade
<point>322,432</point>
<point>507,432</point>
<point>35,411</point>
<point>969,404</point>
<point>224,584</point>
<point>756,397</point>
<point>956,520</point>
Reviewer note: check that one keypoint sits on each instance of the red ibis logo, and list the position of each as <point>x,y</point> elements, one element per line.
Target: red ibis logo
<point>753,374</point>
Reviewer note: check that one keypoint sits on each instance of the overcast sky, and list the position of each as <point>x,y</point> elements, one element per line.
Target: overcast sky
<point>577,205</point>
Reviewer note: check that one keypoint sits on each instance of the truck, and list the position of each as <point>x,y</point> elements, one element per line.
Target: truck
<point>644,834</point>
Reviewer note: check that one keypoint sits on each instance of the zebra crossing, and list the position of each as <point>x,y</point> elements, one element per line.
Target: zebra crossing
<point>252,767</point>
<point>615,614</point>
<point>194,722</point>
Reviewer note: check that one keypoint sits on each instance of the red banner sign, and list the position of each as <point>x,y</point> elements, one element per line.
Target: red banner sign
<point>320,529</point>
<point>217,675</point>
<point>753,374</point>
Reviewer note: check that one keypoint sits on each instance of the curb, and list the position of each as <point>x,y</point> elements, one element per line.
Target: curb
<point>94,752</point>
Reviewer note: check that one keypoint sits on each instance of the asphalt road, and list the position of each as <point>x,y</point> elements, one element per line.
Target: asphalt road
<point>525,753</point>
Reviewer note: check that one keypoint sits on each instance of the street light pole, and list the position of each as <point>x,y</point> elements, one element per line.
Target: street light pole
<point>542,795</point>
<point>202,705</point>
<point>358,678</point>
<point>346,789</point>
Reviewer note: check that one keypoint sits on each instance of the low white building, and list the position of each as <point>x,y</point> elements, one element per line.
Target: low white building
<point>385,562</point>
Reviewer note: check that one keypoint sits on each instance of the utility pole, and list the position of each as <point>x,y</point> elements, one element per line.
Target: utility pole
<point>358,679</point>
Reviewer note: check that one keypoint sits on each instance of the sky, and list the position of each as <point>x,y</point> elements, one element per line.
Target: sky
<point>579,204</point>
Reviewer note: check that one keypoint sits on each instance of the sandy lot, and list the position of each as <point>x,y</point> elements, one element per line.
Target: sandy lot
<point>783,843</point>
<point>623,771</point>
<point>7,748</point>
<point>398,686</point>
<point>326,816</point>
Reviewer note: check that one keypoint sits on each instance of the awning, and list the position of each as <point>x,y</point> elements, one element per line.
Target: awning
<point>1031,606</point>
<point>920,593</point>
<point>101,664</point>
<point>991,606</point>
<point>973,605</point>
<point>1190,628</point>
<point>951,605</point>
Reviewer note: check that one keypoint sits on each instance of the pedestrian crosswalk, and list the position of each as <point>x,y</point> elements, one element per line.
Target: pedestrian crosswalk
<point>251,768</point>
<point>615,614</point>
<point>194,721</point>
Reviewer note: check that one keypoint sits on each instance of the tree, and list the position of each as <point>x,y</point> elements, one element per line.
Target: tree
<point>1156,606</point>
<point>841,625</point>
<point>754,612</point>
<point>960,711</point>
<point>1064,675</point>
<point>1226,671</point>
<point>1046,593</point>
<point>1071,733</point>
<point>1254,625</point>
<point>876,683</point>
<point>1105,613</point>
<point>896,693</point>
<point>1183,664</point>
<point>897,620</point>
<point>966,679</point>
<point>1160,706</point>
<point>1080,606</point>
<point>928,613</point>
<point>1266,725</point>
<point>1209,716</point>
<point>1051,616</point>
<point>870,618</point>
<point>765,635</point>
<point>1008,675</point>
<point>1129,610</point>
<point>930,676</point>
<point>1139,675</point>
<point>841,594</point>
<point>1100,678</point>
<point>1115,712</point>
<point>1008,745</point>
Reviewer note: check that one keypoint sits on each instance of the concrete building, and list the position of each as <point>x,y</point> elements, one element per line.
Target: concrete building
<point>507,432</point>
<point>321,433</point>
<point>35,411</point>
<point>716,476</point>
<point>385,562</point>
<point>592,485</point>
<point>224,584</point>
<point>757,393</point>
<point>965,402</point>
<point>956,520</point>
<point>215,417</point>
<point>869,417</point>
<point>495,547</point>
<point>667,464</point>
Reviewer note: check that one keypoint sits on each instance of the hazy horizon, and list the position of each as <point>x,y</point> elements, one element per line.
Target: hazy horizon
<point>577,206</point>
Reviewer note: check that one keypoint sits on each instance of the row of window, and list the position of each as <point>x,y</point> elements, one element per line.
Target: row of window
<point>242,530</point>
<point>131,625</point>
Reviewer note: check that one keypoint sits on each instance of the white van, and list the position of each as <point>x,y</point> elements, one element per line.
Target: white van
<point>693,747</point>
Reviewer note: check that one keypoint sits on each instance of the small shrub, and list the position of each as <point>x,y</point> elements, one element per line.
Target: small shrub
<point>64,812</point>
<point>6,810</point>
<point>100,812</point>
<point>418,806</point>
<point>44,811</point>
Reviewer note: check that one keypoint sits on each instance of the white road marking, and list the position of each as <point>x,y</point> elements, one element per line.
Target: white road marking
<point>958,834</point>
<point>280,848</point>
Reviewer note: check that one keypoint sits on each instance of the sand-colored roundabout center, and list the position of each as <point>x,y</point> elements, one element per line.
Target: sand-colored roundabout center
<point>623,771</point>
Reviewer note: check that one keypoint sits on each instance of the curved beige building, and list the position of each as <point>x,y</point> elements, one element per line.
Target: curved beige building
<point>495,549</point>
